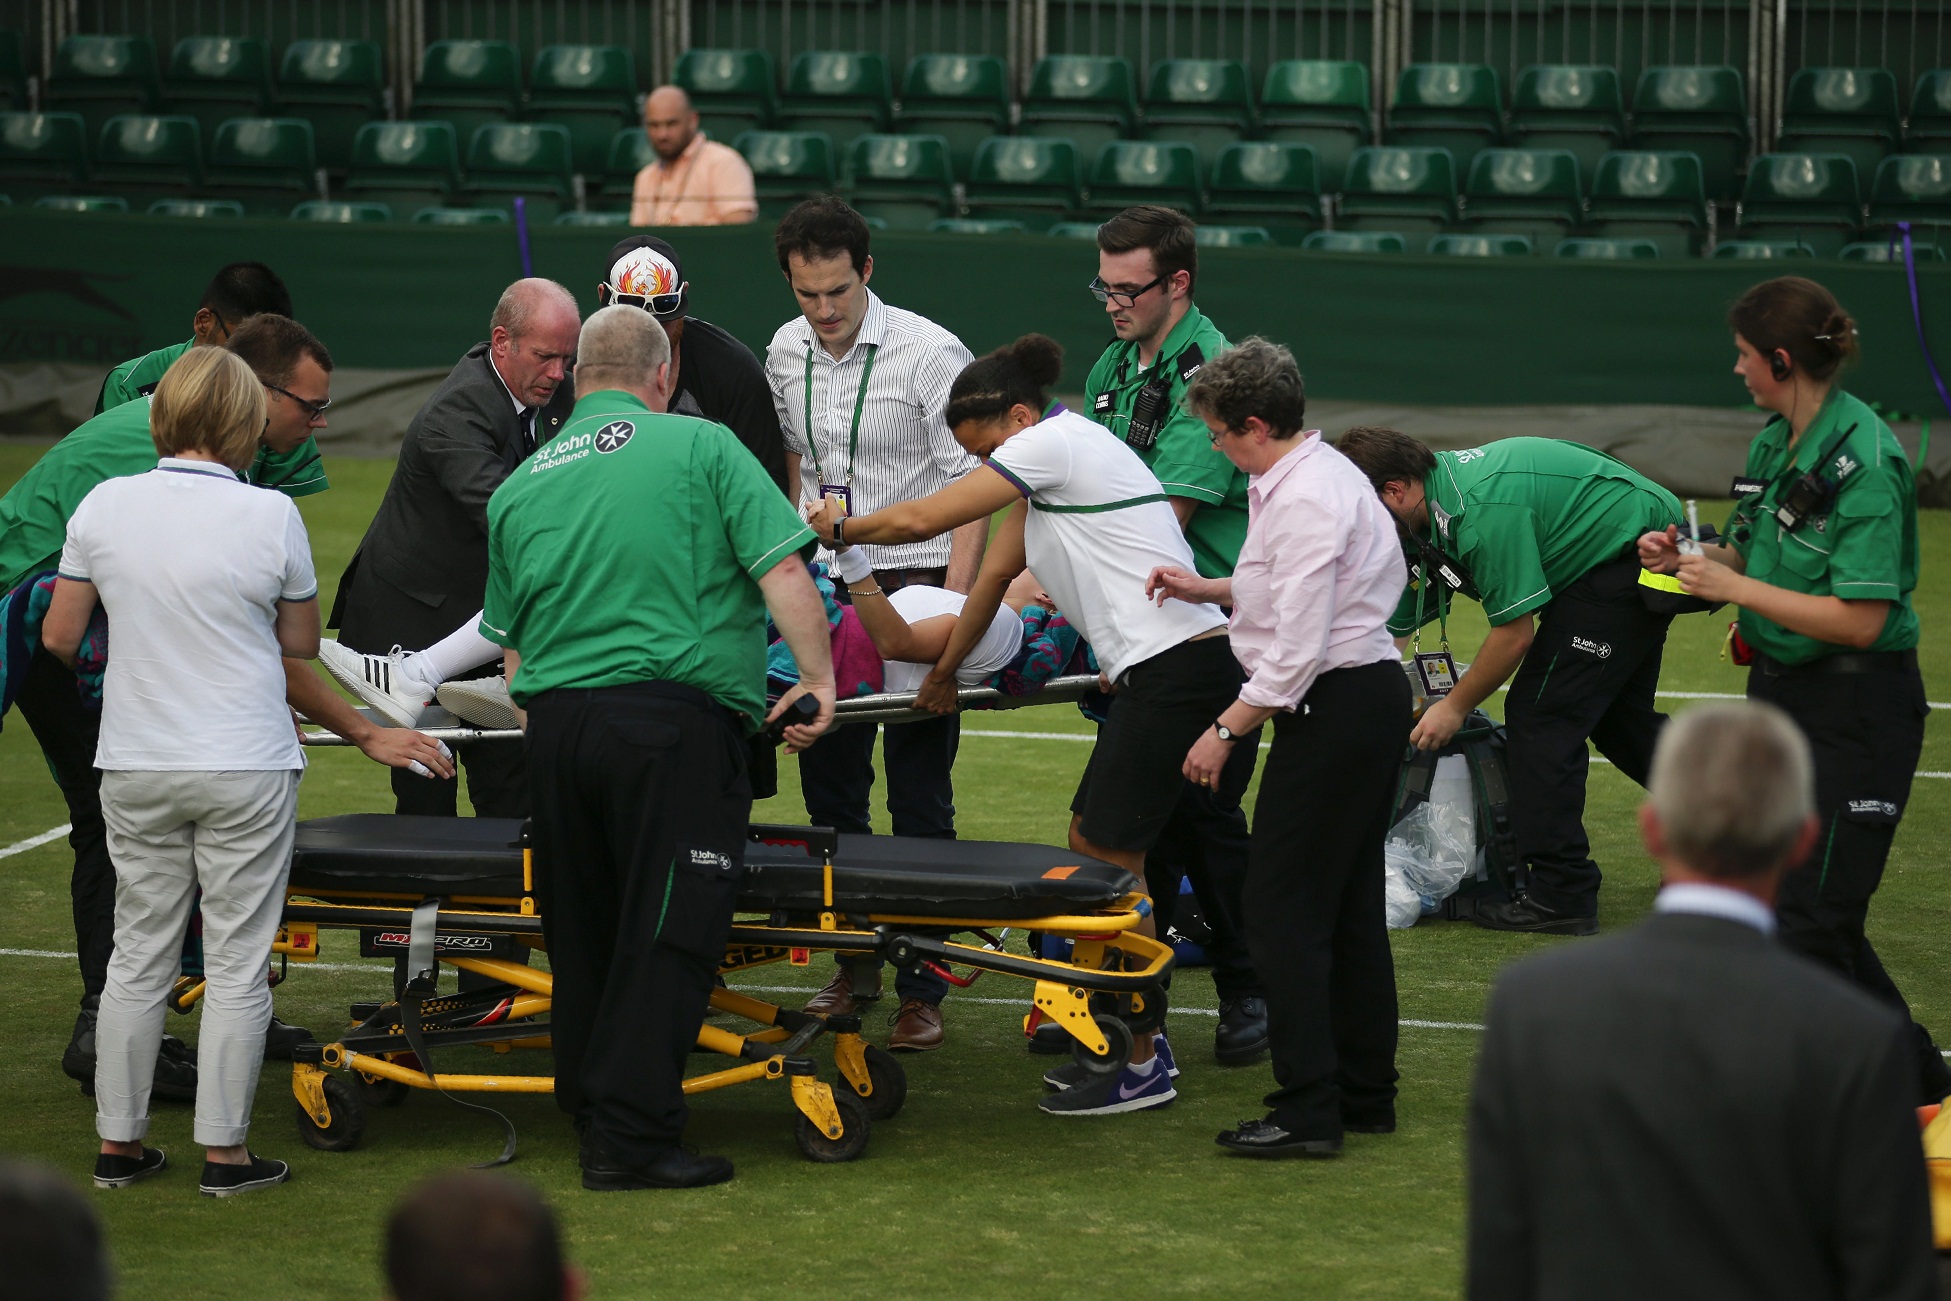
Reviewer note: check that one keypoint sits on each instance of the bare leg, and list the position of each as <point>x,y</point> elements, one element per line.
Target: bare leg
<point>1132,861</point>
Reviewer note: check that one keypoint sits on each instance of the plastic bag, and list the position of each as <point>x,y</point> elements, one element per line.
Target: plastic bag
<point>1433,848</point>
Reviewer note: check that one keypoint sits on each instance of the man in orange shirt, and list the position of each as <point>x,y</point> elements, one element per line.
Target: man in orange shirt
<point>695,181</point>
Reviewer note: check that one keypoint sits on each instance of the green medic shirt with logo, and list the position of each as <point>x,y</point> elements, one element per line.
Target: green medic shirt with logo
<point>1861,546</point>
<point>297,473</point>
<point>1184,458</point>
<point>629,548</point>
<point>1527,517</point>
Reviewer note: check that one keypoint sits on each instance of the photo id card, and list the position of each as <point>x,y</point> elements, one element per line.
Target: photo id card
<point>843,491</point>
<point>1437,672</point>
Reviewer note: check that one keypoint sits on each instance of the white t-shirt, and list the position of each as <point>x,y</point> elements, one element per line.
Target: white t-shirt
<point>999,644</point>
<point>190,563</point>
<point>1099,524</point>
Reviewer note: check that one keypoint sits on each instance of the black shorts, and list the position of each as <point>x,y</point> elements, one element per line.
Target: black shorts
<point>1136,770</point>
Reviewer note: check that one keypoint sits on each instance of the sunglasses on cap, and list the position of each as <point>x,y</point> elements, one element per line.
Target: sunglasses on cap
<point>656,304</point>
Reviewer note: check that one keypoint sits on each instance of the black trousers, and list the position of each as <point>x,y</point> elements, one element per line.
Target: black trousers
<point>1866,731</point>
<point>641,809</point>
<point>1590,675</point>
<point>67,729</point>
<point>497,779</point>
<point>1314,917</point>
<point>1207,843</point>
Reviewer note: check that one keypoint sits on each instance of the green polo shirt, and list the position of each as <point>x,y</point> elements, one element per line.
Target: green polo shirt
<point>1528,517</point>
<point>1184,458</point>
<point>1862,547</point>
<point>35,512</point>
<point>629,549</point>
<point>297,473</point>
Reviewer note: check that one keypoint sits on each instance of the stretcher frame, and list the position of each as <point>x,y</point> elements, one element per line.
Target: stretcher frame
<point>1107,993</point>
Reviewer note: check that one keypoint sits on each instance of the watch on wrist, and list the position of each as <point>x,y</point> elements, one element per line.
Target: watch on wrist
<point>840,531</point>
<point>1224,732</point>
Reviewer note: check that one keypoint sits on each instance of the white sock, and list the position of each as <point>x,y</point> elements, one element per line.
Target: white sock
<point>1146,1068</point>
<point>454,654</point>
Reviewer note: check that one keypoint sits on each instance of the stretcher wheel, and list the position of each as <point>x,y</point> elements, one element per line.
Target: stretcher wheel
<point>348,1119</point>
<point>890,1084</point>
<point>854,1125</point>
<point>1118,1039</point>
<point>379,1091</point>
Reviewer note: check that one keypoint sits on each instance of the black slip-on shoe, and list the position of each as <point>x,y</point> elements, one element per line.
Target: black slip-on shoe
<point>230,1180</point>
<point>121,1171</point>
<point>1241,1038</point>
<point>1523,913</point>
<point>1265,1139</point>
<point>280,1038</point>
<point>677,1167</point>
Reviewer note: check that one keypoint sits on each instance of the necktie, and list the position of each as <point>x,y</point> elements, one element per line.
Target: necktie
<point>528,431</point>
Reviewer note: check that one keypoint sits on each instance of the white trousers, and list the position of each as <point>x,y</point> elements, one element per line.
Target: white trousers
<point>169,833</point>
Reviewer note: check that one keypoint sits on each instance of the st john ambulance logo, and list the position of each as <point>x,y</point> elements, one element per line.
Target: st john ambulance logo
<point>614,435</point>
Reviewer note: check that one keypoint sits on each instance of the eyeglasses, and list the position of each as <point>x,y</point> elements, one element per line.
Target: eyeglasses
<point>314,410</point>
<point>655,304</point>
<point>1120,297</point>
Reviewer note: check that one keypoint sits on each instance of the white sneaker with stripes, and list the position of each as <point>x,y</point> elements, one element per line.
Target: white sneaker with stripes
<point>484,702</point>
<point>386,682</point>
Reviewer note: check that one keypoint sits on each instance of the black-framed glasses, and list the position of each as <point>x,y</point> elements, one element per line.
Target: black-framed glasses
<point>315,410</point>
<point>1121,297</point>
<point>656,304</point>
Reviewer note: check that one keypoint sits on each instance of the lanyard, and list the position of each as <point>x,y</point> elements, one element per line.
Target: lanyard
<point>853,434</point>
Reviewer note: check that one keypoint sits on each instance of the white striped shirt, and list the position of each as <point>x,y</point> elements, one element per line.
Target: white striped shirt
<point>905,448</point>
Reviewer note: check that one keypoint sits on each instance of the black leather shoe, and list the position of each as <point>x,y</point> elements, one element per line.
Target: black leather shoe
<point>677,1167</point>
<point>280,1039</point>
<point>1242,1033</point>
<point>175,1078</point>
<point>1263,1138</point>
<point>1523,913</point>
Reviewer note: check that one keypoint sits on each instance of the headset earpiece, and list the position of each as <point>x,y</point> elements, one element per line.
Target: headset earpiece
<point>1779,365</point>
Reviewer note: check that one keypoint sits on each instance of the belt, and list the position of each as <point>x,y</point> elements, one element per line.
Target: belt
<point>1903,661</point>
<point>893,580</point>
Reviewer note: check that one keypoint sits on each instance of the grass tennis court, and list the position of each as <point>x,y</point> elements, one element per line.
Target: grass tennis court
<point>970,1192</point>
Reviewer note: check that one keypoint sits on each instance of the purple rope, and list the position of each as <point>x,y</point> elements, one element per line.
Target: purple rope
<point>1917,315</point>
<point>528,264</point>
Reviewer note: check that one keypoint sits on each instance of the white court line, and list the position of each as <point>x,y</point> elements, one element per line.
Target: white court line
<point>33,842</point>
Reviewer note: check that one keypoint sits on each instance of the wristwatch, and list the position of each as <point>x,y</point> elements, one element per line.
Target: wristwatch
<point>840,532</point>
<point>1225,733</point>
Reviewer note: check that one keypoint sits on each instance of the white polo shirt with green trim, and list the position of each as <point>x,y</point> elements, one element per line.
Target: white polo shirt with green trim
<point>629,548</point>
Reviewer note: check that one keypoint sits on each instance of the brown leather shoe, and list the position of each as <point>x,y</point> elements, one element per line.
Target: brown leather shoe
<point>917,1027</point>
<point>843,995</point>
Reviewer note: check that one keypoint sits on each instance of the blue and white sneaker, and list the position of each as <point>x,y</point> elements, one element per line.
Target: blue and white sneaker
<point>1131,1089</point>
<point>1069,1075</point>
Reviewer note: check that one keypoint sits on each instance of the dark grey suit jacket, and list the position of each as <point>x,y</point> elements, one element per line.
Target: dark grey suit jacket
<point>1687,1109</point>
<point>422,567</point>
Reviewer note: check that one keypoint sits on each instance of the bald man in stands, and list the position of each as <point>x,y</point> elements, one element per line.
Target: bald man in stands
<point>695,181</point>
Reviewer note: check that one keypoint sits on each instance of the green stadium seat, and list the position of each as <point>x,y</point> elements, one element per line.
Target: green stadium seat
<point>1267,183</point>
<point>1615,249</point>
<point>593,219</point>
<point>341,211</point>
<point>533,160</point>
<point>1699,110</point>
<point>1322,103</point>
<point>1204,102</point>
<point>337,86</point>
<point>1762,249</point>
<point>1892,250</point>
<point>588,90</point>
<point>1482,245</point>
<point>215,78</point>
<point>83,203</point>
<point>1029,179</point>
<point>196,208</point>
<point>470,84</point>
<point>964,98</point>
<point>1848,111</point>
<point>13,73</point>
<point>1913,188</point>
<point>101,77</point>
<point>462,217</point>
<point>42,153</point>
<point>1086,98</point>
<point>1454,106</point>
<point>1929,127</point>
<point>1401,189</point>
<point>630,152</point>
<point>1650,195</point>
<point>1569,106</point>
<point>1356,241</point>
<point>1074,230</point>
<point>904,180</point>
<point>787,167</point>
<point>1530,192</point>
<point>1812,198</point>
<point>978,226</point>
<point>144,157</point>
<point>843,93</point>
<point>1128,172</point>
<point>732,90</point>
<point>405,165</point>
<point>267,163</point>
<point>1232,236</point>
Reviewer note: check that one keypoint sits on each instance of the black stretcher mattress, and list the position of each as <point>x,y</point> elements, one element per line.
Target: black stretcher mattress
<point>386,853</point>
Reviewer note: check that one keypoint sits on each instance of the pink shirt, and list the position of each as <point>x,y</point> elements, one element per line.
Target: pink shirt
<point>1318,577</point>
<point>709,184</point>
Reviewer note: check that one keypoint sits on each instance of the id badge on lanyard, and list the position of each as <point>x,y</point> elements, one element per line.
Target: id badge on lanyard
<point>1436,670</point>
<point>844,491</point>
